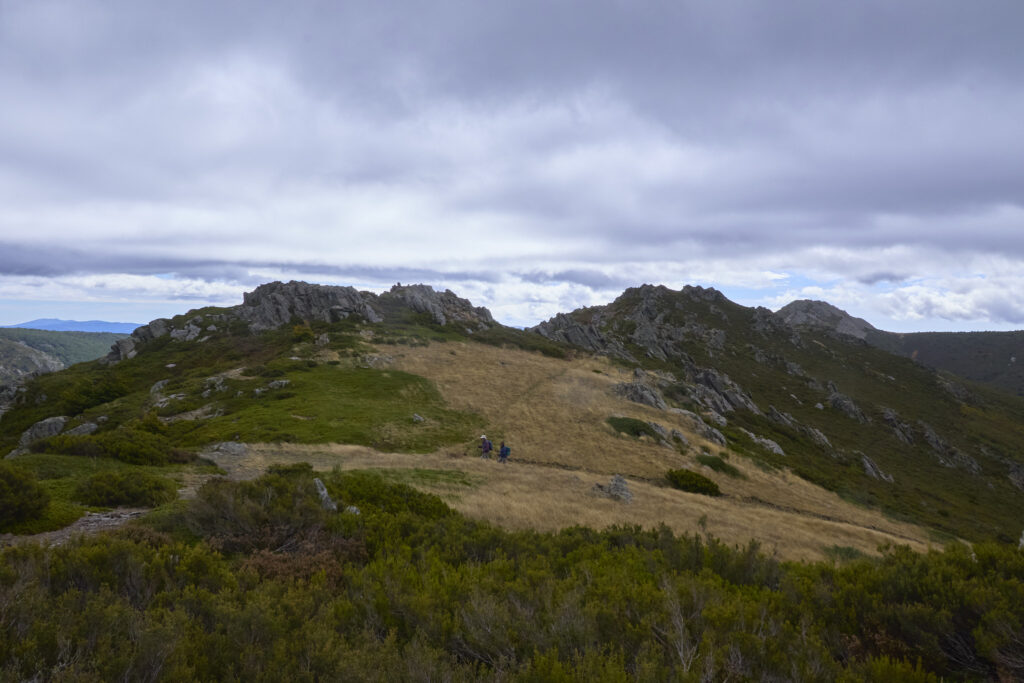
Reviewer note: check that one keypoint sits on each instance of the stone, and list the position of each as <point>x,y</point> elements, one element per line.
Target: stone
<point>903,431</point>
<point>847,407</point>
<point>416,417</point>
<point>617,489</point>
<point>640,393</point>
<point>947,454</point>
<point>158,386</point>
<point>443,307</point>
<point>325,498</point>
<point>83,429</point>
<point>658,429</point>
<point>765,443</point>
<point>278,383</point>
<point>44,429</point>
<point>873,470</point>
<point>680,437</point>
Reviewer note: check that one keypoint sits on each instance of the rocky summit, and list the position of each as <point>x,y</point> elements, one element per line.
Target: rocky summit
<point>274,304</point>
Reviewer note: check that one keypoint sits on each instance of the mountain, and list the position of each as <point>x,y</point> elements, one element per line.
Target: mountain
<point>25,352</point>
<point>57,325</point>
<point>988,357</point>
<point>694,486</point>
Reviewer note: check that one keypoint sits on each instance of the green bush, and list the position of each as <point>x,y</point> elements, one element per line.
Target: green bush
<point>126,444</point>
<point>685,480</point>
<point>21,497</point>
<point>632,426</point>
<point>125,488</point>
<point>718,465</point>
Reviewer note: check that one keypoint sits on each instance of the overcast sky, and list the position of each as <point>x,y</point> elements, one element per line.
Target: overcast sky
<point>531,156</point>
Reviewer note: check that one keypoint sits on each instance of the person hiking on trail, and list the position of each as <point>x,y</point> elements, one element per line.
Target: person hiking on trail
<point>503,453</point>
<point>485,447</point>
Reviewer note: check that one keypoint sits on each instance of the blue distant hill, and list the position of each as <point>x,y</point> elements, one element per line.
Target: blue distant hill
<point>57,325</point>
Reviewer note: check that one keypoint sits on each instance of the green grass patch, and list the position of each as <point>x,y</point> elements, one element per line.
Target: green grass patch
<point>338,404</point>
<point>427,477</point>
<point>719,465</point>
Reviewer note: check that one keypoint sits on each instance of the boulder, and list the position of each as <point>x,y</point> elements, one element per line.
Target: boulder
<point>43,429</point>
<point>903,431</point>
<point>765,443</point>
<point>617,489</point>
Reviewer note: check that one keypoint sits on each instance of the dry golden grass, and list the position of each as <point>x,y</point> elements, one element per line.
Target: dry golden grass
<point>552,412</point>
<point>543,497</point>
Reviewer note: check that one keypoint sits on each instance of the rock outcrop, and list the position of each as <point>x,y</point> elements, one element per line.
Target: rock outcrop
<point>274,304</point>
<point>823,316</point>
<point>617,489</point>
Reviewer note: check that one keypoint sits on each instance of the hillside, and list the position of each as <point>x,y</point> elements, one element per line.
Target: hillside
<point>987,357</point>
<point>821,449</point>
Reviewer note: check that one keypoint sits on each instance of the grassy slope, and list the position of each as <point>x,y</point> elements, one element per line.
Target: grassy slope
<point>985,506</point>
<point>553,413</point>
<point>364,386</point>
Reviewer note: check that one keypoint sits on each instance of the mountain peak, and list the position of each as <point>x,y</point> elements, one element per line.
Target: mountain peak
<point>823,315</point>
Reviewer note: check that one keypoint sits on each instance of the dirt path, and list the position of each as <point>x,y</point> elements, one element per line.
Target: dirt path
<point>89,523</point>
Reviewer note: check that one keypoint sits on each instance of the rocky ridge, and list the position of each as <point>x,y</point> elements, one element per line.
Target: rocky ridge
<point>274,304</point>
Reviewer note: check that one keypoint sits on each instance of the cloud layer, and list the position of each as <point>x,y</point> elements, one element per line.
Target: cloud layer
<point>532,156</point>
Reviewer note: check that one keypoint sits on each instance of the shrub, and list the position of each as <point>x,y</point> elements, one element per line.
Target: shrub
<point>632,426</point>
<point>685,480</point>
<point>125,488</point>
<point>126,444</point>
<point>718,465</point>
<point>21,497</point>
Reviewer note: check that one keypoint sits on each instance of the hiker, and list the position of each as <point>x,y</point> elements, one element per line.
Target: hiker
<point>503,453</point>
<point>485,447</point>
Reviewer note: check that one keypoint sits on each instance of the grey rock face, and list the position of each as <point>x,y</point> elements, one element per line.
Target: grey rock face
<point>847,407</point>
<point>83,429</point>
<point>822,315</point>
<point>765,443</point>
<point>948,455</point>
<point>873,470</point>
<point>444,307</point>
<point>640,393</point>
<point>325,498</point>
<point>903,431</point>
<point>274,304</point>
<point>617,489</point>
<point>43,429</point>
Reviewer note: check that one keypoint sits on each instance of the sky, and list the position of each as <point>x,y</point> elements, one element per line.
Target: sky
<point>533,157</point>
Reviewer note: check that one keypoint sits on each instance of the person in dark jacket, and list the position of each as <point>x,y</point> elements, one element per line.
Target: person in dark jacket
<point>485,447</point>
<point>503,453</point>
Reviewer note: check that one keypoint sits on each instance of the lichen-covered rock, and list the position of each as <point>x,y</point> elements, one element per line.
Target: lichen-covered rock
<point>274,304</point>
<point>325,498</point>
<point>83,429</point>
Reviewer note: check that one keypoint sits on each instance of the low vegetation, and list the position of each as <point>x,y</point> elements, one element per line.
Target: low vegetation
<point>719,465</point>
<point>632,427</point>
<point>113,488</point>
<point>21,497</point>
<point>692,482</point>
<point>292,592</point>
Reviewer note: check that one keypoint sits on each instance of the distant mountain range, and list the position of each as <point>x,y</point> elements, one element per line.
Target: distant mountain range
<point>58,325</point>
